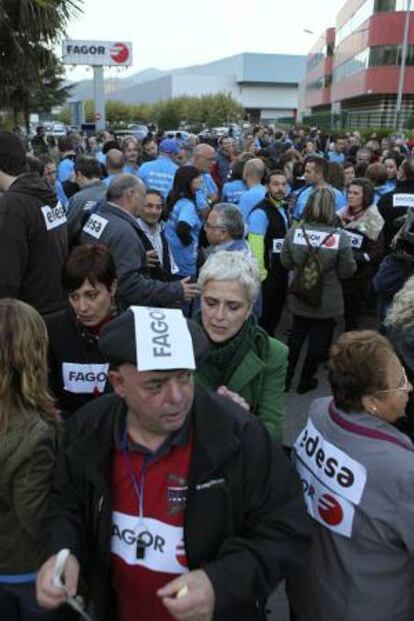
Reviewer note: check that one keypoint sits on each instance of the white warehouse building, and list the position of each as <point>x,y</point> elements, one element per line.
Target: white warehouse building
<point>266,85</point>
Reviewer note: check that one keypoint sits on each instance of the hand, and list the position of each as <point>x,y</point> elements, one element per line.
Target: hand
<point>197,604</point>
<point>191,289</point>
<point>49,596</point>
<point>234,396</point>
<point>152,258</point>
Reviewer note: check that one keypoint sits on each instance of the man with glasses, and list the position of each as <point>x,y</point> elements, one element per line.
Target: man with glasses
<point>225,229</point>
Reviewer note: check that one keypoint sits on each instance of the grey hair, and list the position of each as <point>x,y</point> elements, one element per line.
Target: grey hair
<point>402,309</point>
<point>230,218</point>
<point>232,265</point>
<point>121,183</point>
<point>320,207</point>
<point>255,167</point>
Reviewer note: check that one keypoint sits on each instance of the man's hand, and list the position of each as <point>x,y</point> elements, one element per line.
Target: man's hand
<point>152,258</point>
<point>49,596</point>
<point>191,289</point>
<point>234,396</point>
<point>197,604</point>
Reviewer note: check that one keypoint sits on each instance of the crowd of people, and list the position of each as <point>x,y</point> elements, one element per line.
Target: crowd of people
<point>142,384</point>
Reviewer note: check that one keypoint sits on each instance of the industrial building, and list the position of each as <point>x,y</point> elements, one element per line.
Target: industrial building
<point>353,71</point>
<point>266,85</point>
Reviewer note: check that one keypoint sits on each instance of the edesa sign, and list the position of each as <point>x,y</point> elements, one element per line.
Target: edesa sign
<point>97,53</point>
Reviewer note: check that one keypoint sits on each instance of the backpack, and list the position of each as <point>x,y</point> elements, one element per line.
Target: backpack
<point>307,282</point>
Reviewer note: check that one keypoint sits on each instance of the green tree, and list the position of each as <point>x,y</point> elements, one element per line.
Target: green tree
<point>28,30</point>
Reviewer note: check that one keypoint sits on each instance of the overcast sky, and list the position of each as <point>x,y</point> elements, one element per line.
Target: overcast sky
<point>174,33</point>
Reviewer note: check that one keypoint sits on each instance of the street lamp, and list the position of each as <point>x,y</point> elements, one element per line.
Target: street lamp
<point>398,107</point>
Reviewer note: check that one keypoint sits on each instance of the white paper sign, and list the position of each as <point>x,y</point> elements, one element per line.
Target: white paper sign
<point>316,238</point>
<point>163,340</point>
<point>84,378</point>
<point>95,225</point>
<point>278,245</point>
<point>323,505</point>
<point>54,216</point>
<point>335,469</point>
<point>355,238</point>
<point>164,543</point>
<point>403,200</point>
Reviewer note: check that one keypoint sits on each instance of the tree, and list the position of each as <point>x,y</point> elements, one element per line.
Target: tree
<point>28,30</point>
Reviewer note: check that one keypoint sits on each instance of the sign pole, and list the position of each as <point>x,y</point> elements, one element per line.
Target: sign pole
<point>99,97</point>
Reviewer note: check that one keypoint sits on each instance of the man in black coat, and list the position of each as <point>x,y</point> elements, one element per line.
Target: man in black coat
<point>393,205</point>
<point>172,501</point>
<point>33,232</point>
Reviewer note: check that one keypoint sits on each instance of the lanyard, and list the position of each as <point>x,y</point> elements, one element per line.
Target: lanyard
<point>139,492</point>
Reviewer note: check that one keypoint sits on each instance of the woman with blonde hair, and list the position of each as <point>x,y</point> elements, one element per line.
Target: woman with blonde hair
<point>315,319</point>
<point>29,431</point>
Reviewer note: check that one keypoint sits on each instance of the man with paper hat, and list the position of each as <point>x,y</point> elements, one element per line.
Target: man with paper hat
<point>173,501</point>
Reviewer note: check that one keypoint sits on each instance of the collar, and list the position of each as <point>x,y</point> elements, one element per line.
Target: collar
<point>147,229</point>
<point>177,438</point>
<point>369,426</point>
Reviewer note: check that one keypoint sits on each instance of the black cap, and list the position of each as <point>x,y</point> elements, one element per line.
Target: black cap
<point>118,342</point>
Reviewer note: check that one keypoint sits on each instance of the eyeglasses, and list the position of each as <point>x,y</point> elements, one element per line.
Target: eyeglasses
<point>405,385</point>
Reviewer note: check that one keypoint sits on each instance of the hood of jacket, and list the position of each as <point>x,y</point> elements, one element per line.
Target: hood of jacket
<point>30,184</point>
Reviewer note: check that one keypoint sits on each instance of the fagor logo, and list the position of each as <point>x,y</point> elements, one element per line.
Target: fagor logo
<point>119,53</point>
<point>330,510</point>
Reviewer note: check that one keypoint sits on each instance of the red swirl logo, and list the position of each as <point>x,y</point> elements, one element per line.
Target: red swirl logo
<point>330,510</point>
<point>119,53</point>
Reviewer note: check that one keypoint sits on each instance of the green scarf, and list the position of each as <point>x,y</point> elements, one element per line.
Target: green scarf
<point>221,361</point>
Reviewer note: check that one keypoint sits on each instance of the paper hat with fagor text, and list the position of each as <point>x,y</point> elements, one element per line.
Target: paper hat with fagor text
<point>153,339</point>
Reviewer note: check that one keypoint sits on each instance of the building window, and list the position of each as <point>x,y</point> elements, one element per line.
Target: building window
<point>384,5</point>
<point>352,66</point>
<point>356,20</point>
<point>389,55</point>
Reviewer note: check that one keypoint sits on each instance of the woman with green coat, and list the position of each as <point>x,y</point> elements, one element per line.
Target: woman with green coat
<point>243,363</point>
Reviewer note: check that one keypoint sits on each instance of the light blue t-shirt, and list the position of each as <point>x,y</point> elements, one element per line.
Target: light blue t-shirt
<point>333,156</point>
<point>391,185</point>
<point>158,174</point>
<point>130,170</point>
<point>108,179</point>
<point>65,169</point>
<point>258,222</point>
<point>185,257</point>
<point>232,191</point>
<point>250,199</point>
<point>61,196</point>
<point>303,195</point>
<point>208,187</point>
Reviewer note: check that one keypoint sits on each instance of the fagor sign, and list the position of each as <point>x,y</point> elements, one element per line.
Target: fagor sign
<point>98,53</point>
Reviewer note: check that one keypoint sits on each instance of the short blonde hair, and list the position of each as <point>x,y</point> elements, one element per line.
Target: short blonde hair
<point>228,265</point>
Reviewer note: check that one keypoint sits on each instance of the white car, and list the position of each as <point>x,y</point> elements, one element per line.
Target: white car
<point>177,134</point>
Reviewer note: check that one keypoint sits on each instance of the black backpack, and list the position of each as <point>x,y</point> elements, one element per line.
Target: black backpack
<point>307,282</point>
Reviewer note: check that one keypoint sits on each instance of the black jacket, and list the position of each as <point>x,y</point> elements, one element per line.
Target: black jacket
<point>248,531</point>
<point>277,229</point>
<point>72,344</point>
<point>393,205</point>
<point>34,244</point>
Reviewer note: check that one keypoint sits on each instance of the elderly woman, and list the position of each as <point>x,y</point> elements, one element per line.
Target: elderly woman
<point>315,319</point>
<point>357,473</point>
<point>243,359</point>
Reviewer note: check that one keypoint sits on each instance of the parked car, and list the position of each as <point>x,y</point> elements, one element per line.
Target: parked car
<point>177,134</point>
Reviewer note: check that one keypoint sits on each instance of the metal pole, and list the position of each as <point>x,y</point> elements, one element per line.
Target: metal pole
<point>398,108</point>
<point>99,96</point>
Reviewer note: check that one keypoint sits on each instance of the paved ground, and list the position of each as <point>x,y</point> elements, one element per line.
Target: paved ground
<point>296,410</point>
